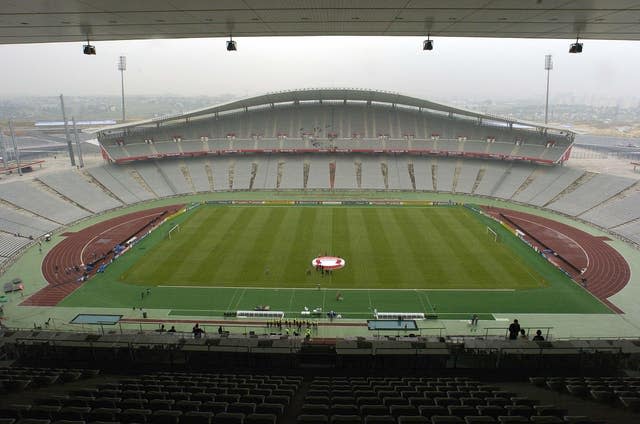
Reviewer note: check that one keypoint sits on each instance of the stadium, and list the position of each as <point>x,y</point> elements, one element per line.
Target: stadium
<point>316,256</point>
<point>438,212</point>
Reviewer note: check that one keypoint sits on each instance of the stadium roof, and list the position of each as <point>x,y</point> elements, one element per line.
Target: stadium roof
<point>40,21</point>
<point>332,94</point>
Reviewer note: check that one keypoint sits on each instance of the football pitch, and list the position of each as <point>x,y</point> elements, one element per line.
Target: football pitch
<point>432,259</point>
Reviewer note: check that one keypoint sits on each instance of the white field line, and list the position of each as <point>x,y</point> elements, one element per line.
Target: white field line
<point>336,288</point>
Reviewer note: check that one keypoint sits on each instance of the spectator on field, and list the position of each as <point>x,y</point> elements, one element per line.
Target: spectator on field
<point>538,337</point>
<point>220,330</point>
<point>172,329</point>
<point>514,330</point>
<point>523,335</point>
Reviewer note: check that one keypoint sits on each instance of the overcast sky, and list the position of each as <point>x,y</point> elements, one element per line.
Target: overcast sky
<point>456,68</point>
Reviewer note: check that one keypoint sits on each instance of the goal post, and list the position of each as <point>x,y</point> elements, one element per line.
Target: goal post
<point>493,234</point>
<point>173,230</point>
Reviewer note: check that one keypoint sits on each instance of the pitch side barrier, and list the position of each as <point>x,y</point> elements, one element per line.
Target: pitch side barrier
<point>138,235</point>
<point>534,238</point>
<point>365,354</point>
<point>517,231</point>
<point>416,152</point>
<point>332,202</point>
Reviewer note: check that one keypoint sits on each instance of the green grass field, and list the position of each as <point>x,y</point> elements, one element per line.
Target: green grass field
<point>385,247</point>
<point>416,259</point>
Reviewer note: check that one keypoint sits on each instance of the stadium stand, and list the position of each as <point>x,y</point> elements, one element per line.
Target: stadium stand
<point>119,181</point>
<point>171,170</point>
<point>73,186</point>
<point>153,178</point>
<point>514,176</point>
<point>10,244</point>
<point>491,177</point>
<point>372,177</point>
<point>14,222</point>
<point>197,170</point>
<point>467,176</point>
<point>615,211</point>
<point>345,173</point>
<point>589,194</point>
<point>44,204</point>
<point>548,184</point>
<point>446,170</point>
<point>290,173</point>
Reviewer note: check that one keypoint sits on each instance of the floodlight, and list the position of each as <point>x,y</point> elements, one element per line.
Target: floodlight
<point>575,47</point>
<point>427,44</point>
<point>89,49</point>
<point>231,45</point>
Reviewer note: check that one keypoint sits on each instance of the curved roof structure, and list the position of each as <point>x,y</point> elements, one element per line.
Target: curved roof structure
<point>333,94</point>
<point>37,21</point>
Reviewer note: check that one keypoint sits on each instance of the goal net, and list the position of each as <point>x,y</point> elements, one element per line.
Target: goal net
<point>172,232</point>
<point>493,234</point>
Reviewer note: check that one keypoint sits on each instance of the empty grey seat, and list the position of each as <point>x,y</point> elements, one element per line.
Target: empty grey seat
<point>229,418</point>
<point>479,419</point>
<point>312,419</point>
<point>135,415</point>
<point>260,419</point>
<point>163,416</point>
<point>446,419</point>
<point>379,419</point>
<point>346,419</point>
<point>197,417</point>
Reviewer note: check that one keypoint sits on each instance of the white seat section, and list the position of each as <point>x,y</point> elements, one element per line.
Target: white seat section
<point>514,177</point>
<point>475,146</point>
<point>153,178</point>
<point>531,150</point>
<point>118,181</point>
<point>591,193</point>
<point>198,173</point>
<point>371,173</point>
<point>220,172</point>
<point>244,144</point>
<point>468,175</point>
<point>501,148</point>
<point>448,145</point>
<point>393,173</point>
<point>41,203</point>
<point>345,173</point>
<point>446,169</point>
<point>116,152</point>
<point>547,183</point>
<point>493,172</point>
<point>421,144</point>
<point>422,172</point>
<point>404,178</point>
<point>75,187</point>
<point>269,165</point>
<point>318,172</point>
<point>630,230</point>
<point>15,222</point>
<point>292,173</point>
<point>242,172</point>
<point>10,244</point>
<point>173,175</point>
<point>261,162</point>
<point>615,212</point>
<point>138,149</point>
<point>194,146</point>
<point>166,147</point>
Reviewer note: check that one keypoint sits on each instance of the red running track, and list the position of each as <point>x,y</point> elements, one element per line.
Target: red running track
<point>606,271</point>
<point>88,246</point>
